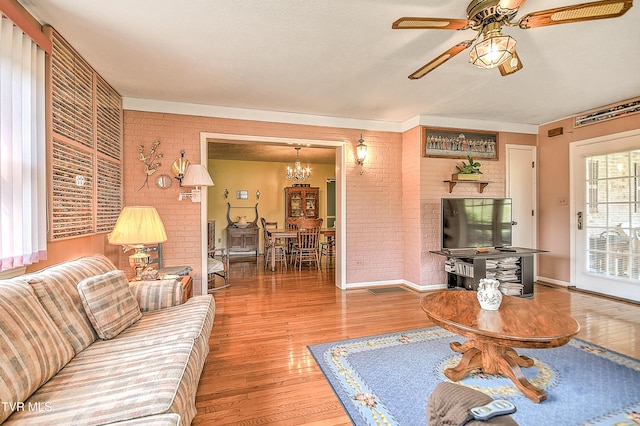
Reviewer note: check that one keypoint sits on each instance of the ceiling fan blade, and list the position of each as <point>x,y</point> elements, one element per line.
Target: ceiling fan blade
<point>431,24</point>
<point>510,4</point>
<point>511,66</point>
<point>576,13</point>
<point>440,59</point>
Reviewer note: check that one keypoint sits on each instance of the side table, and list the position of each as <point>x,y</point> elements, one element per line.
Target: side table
<point>187,287</point>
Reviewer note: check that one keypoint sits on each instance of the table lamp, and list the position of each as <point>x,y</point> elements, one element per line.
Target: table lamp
<point>137,226</point>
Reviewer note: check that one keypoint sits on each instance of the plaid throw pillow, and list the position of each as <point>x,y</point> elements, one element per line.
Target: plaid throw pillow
<point>109,303</point>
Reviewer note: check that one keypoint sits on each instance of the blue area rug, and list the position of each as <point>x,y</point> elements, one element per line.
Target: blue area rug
<point>387,380</point>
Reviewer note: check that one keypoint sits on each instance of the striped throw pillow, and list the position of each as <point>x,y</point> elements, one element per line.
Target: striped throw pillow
<point>159,294</point>
<point>109,303</point>
<point>32,349</point>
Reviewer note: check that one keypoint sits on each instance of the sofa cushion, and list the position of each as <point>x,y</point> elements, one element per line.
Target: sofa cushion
<point>32,349</point>
<point>56,288</point>
<point>108,387</point>
<point>109,303</point>
<point>189,321</point>
<point>158,294</point>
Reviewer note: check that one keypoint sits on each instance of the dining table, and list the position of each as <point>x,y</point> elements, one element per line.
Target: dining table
<point>275,233</point>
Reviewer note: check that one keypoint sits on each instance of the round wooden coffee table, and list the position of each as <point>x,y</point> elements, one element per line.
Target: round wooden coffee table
<point>519,323</point>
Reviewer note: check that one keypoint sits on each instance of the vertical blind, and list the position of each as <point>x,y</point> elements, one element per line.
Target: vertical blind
<point>23,233</point>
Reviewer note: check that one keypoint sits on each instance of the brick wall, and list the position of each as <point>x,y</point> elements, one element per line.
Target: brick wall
<point>373,199</point>
<point>433,171</point>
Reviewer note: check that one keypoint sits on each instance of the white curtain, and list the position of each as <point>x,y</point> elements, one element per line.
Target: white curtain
<point>23,219</point>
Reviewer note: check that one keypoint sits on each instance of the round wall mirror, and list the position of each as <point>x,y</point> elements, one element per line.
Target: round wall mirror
<point>164,181</point>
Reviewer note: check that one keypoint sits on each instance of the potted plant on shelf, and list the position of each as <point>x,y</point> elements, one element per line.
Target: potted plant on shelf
<point>470,171</point>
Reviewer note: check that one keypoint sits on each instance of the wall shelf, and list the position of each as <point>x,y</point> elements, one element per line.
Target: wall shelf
<point>453,182</point>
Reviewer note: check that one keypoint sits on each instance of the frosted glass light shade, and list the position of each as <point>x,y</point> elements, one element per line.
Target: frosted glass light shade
<point>138,225</point>
<point>492,51</point>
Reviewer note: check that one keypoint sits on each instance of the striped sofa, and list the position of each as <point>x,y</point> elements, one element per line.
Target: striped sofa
<point>80,346</point>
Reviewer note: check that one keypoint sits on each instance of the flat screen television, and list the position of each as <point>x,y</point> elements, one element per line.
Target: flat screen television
<point>476,223</point>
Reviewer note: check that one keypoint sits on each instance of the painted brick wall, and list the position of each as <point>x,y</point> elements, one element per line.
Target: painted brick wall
<point>392,208</point>
<point>374,211</point>
<point>412,233</point>
<point>181,218</point>
<point>432,174</point>
<point>373,199</point>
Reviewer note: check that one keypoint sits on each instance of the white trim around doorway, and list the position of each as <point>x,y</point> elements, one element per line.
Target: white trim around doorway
<point>341,196</point>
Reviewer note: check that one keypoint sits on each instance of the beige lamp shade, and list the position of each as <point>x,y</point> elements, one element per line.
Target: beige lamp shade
<point>138,225</point>
<point>197,175</point>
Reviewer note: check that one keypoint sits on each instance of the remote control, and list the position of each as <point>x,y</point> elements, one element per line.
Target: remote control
<point>499,407</point>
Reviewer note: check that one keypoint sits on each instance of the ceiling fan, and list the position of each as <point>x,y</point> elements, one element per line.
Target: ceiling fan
<point>487,17</point>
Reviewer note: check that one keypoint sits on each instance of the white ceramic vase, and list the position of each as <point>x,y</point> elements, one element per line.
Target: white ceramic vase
<point>489,294</point>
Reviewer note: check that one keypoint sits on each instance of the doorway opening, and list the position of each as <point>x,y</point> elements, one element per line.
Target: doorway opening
<point>605,229</point>
<point>338,147</point>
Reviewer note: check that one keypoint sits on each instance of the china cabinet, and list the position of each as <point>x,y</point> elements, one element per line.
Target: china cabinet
<point>301,201</point>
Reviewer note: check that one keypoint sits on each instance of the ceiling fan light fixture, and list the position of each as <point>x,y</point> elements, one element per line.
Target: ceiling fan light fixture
<point>494,49</point>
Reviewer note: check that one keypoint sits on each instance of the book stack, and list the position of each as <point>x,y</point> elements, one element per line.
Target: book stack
<point>507,272</point>
<point>511,288</point>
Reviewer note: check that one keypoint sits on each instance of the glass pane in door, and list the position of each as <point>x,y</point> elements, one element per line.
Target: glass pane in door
<point>612,221</point>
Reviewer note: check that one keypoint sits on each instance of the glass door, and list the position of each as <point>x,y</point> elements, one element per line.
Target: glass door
<point>607,223</point>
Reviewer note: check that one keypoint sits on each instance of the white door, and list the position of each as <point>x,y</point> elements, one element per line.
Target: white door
<point>606,215</point>
<point>521,188</point>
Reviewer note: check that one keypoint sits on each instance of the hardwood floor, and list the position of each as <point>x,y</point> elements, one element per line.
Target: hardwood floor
<point>259,370</point>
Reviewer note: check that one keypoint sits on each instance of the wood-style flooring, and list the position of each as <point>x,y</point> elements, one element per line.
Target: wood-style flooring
<point>260,372</point>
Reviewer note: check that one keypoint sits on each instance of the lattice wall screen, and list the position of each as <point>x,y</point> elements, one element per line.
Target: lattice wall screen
<point>86,150</point>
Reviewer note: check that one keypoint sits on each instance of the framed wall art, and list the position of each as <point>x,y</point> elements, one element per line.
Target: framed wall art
<point>457,143</point>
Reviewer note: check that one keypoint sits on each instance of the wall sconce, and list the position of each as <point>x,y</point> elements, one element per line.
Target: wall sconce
<point>180,167</point>
<point>361,153</point>
<point>196,176</point>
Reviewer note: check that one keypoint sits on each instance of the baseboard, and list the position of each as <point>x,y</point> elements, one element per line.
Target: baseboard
<point>604,296</point>
<point>411,285</point>
<point>552,282</point>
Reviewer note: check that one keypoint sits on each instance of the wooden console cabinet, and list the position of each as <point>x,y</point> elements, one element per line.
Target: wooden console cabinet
<point>243,240</point>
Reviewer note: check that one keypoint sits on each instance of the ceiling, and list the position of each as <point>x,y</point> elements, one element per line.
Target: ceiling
<point>222,150</point>
<point>336,58</point>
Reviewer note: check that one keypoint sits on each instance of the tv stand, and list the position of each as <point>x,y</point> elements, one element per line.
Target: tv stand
<point>470,266</point>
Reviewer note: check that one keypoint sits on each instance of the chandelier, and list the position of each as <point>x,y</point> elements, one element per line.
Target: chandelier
<point>297,173</point>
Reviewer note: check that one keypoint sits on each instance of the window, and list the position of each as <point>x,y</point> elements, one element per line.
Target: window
<point>22,149</point>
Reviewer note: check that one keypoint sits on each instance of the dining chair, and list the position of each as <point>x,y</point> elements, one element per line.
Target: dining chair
<point>327,249</point>
<point>217,261</point>
<point>279,247</point>
<point>307,245</point>
<point>217,265</point>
